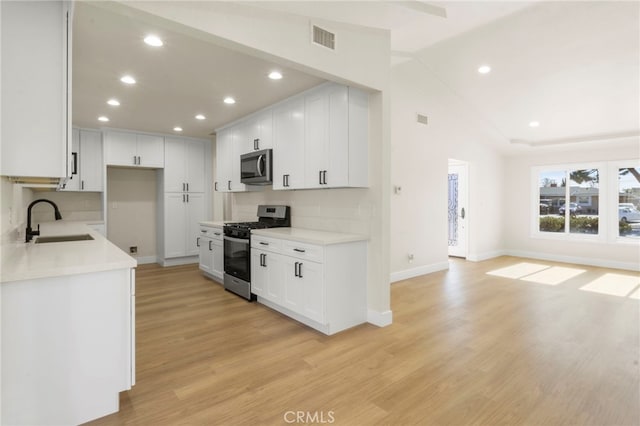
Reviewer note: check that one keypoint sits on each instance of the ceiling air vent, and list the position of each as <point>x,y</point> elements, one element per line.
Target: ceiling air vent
<point>423,119</point>
<point>324,38</point>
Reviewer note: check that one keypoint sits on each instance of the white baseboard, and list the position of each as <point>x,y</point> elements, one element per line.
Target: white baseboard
<point>179,261</point>
<point>420,270</point>
<point>479,257</point>
<point>146,259</point>
<point>604,263</point>
<point>381,319</point>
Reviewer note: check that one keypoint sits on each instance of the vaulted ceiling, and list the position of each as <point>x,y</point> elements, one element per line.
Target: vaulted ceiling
<point>573,67</point>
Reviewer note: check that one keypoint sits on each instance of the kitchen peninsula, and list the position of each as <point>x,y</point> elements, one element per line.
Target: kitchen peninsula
<point>68,326</point>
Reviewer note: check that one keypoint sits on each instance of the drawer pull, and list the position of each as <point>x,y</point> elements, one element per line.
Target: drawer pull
<point>263,243</point>
<point>299,250</point>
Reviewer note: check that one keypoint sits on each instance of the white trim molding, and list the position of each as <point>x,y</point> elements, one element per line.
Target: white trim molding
<point>479,257</point>
<point>381,319</point>
<point>146,259</point>
<point>420,270</point>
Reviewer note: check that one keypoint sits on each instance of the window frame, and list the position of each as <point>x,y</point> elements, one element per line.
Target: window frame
<point>608,186</point>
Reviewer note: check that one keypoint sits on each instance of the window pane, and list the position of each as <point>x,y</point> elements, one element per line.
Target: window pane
<point>552,196</point>
<point>584,200</point>
<point>628,202</point>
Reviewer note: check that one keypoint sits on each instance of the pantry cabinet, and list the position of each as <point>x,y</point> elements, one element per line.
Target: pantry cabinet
<point>322,285</point>
<point>36,89</point>
<point>87,167</point>
<point>182,214</point>
<point>184,167</point>
<point>134,149</point>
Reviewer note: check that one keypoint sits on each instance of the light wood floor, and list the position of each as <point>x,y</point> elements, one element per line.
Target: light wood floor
<point>465,348</point>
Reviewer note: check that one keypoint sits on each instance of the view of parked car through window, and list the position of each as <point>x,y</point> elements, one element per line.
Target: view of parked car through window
<point>570,203</point>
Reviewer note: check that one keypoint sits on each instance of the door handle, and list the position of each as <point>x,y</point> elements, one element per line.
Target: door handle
<point>210,249</point>
<point>462,213</point>
<point>75,163</point>
<point>295,268</point>
<point>198,242</point>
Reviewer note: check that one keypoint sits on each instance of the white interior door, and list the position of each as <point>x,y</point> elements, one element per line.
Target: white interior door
<point>458,208</point>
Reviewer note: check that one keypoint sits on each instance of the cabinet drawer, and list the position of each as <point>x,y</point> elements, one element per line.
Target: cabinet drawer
<point>266,243</point>
<point>303,251</point>
<point>213,233</point>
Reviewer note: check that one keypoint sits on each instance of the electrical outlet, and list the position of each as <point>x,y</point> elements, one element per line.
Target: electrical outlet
<point>133,250</point>
<point>410,257</point>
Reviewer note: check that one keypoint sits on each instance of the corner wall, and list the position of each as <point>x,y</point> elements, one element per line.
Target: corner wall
<point>419,158</point>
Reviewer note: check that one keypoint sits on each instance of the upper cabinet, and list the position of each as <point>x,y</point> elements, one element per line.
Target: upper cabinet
<point>87,169</point>
<point>319,138</point>
<point>134,149</point>
<point>184,166</point>
<point>36,88</point>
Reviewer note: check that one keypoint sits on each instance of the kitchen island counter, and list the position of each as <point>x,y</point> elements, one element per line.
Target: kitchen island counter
<point>25,261</point>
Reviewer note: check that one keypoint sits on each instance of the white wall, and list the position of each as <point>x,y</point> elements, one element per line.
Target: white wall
<point>420,156</point>
<point>518,189</point>
<point>361,59</point>
<point>132,206</point>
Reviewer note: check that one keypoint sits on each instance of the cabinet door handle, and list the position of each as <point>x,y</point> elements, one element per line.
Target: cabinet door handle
<point>324,177</point>
<point>81,184</point>
<point>287,180</point>
<point>135,160</point>
<point>216,233</point>
<point>187,186</point>
<point>198,242</point>
<point>139,160</point>
<point>299,250</point>
<point>210,249</point>
<point>187,198</point>
<point>300,270</point>
<point>183,186</point>
<point>183,198</point>
<point>284,180</point>
<point>295,269</point>
<point>75,163</point>
<point>256,144</point>
<point>320,177</point>
<point>229,185</point>
<point>215,186</point>
<point>264,262</point>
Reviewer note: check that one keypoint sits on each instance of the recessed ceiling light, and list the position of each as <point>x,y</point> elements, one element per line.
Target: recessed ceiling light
<point>103,118</point>
<point>484,69</point>
<point>127,79</point>
<point>177,129</point>
<point>229,100</point>
<point>153,40</point>
<point>275,75</point>
<point>534,124</point>
<point>113,102</point>
<point>200,117</point>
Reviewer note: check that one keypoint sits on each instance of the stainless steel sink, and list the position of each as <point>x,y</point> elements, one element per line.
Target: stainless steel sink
<point>63,238</point>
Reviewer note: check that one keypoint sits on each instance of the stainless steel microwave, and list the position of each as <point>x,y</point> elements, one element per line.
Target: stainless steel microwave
<point>255,167</point>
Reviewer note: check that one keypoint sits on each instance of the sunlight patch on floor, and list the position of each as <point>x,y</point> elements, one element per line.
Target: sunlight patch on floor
<point>613,284</point>
<point>518,270</point>
<point>554,275</point>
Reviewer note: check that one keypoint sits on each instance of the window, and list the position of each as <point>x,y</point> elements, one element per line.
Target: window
<point>572,208</point>
<point>628,202</point>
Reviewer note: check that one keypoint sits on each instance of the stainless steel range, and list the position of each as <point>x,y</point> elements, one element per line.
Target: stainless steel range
<point>237,247</point>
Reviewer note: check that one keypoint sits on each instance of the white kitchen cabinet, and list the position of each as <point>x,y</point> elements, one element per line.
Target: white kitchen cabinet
<point>36,89</point>
<point>231,143</point>
<point>320,285</point>
<point>184,167</point>
<point>134,149</point>
<point>288,144</point>
<point>182,213</point>
<point>87,170</point>
<point>267,275</point>
<point>259,130</point>
<point>210,244</point>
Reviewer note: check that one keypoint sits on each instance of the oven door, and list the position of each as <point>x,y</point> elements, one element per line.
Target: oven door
<point>237,258</point>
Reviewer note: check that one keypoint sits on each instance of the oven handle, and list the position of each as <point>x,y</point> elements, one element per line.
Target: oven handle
<point>237,240</point>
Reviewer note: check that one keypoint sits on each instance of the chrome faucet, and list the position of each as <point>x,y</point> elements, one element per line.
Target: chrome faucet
<point>30,232</point>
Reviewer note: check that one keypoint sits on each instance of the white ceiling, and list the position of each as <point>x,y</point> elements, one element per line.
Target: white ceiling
<point>572,66</point>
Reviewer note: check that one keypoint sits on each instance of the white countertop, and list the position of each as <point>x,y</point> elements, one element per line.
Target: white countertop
<point>25,261</point>
<point>310,236</point>
<point>218,224</point>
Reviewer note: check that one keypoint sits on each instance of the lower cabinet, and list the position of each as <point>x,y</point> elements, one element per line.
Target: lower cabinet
<point>322,286</point>
<point>211,249</point>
